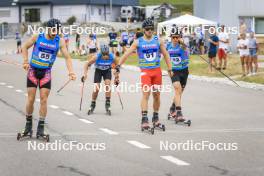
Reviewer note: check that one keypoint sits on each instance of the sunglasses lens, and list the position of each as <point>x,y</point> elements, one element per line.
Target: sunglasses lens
<point>148,29</point>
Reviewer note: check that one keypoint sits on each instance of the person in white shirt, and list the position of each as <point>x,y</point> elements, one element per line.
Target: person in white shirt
<point>223,47</point>
<point>243,49</point>
<point>253,49</point>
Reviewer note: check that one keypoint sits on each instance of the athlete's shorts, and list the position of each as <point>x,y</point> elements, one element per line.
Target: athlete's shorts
<point>99,74</point>
<point>18,43</point>
<point>221,53</point>
<point>180,76</point>
<point>151,77</point>
<point>113,43</point>
<point>39,77</point>
<point>252,52</point>
<point>211,54</point>
<point>123,43</point>
<point>92,50</point>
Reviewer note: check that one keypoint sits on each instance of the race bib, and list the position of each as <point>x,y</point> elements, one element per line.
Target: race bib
<point>150,56</point>
<point>45,56</point>
<point>176,60</point>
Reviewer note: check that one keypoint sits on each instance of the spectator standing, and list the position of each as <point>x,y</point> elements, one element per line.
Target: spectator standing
<point>242,47</point>
<point>213,43</point>
<point>223,48</point>
<point>253,58</point>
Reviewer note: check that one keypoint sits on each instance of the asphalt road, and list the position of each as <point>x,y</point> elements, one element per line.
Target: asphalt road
<point>220,114</point>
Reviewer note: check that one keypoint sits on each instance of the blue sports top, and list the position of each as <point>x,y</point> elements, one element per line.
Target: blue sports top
<point>104,64</point>
<point>45,52</point>
<point>149,53</point>
<point>179,58</point>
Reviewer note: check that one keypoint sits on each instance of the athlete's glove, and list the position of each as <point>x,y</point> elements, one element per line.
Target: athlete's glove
<point>116,81</point>
<point>83,78</point>
<point>117,68</point>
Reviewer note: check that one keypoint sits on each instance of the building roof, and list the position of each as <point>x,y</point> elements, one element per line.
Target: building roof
<point>5,3</point>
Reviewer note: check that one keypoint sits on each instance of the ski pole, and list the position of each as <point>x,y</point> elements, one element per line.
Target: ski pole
<point>81,95</point>
<point>64,86</point>
<point>219,71</point>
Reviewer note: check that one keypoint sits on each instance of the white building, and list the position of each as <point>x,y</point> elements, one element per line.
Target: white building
<point>42,10</point>
<point>245,15</point>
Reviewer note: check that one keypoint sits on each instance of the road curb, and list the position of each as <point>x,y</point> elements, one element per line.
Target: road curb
<point>224,81</point>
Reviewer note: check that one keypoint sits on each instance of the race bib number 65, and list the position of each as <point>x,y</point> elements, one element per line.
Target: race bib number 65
<point>44,56</point>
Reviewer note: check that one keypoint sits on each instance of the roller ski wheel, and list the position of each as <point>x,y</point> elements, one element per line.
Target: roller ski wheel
<point>146,127</point>
<point>108,112</point>
<point>183,121</point>
<point>22,135</point>
<point>159,126</point>
<point>45,137</point>
<point>90,111</point>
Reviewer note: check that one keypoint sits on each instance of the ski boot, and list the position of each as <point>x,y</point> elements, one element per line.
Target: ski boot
<point>40,131</point>
<point>156,123</point>
<point>145,125</point>
<point>180,119</point>
<point>107,107</point>
<point>172,113</point>
<point>92,107</point>
<point>27,132</point>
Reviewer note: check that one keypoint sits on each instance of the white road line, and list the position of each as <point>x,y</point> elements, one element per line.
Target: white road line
<point>175,160</point>
<point>10,87</point>
<point>2,83</point>
<point>19,91</point>
<point>54,106</point>
<point>139,145</point>
<point>86,121</point>
<point>67,113</point>
<point>108,131</point>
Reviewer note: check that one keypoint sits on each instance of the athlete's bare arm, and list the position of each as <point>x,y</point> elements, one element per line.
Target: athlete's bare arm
<point>128,52</point>
<point>88,64</point>
<point>166,56</point>
<point>28,44</point>
<point>68,59</point>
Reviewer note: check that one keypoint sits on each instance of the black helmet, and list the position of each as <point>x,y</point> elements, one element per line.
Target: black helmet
<point>148,23</point>
<point>54,23</point>
<point>175,31</point>
<point>104,49</point>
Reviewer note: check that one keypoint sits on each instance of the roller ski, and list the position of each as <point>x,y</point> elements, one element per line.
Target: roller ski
<point>156,123</point>
<point>92,107</point>
<point>180,119</point>
<point>107,107</point>
<point>40,131</point>
<point>145,126</point>
<point>27,132</point>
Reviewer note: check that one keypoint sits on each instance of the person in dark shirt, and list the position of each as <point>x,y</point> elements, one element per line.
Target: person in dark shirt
<point>139,33</point>
<point>213,43</point>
